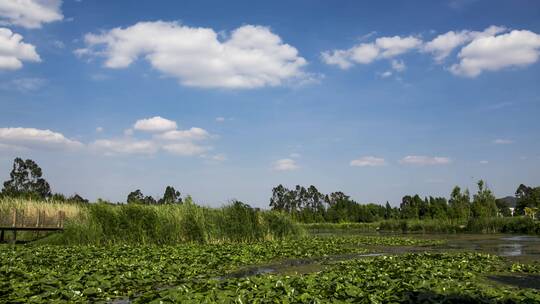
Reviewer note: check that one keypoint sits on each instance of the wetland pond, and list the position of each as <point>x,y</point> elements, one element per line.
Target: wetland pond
<point>517,248</point>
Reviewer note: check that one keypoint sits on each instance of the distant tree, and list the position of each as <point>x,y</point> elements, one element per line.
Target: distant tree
<point>135,197</point>
<point>410,206</point>
<point>503,208</point>
<point>459,204</point>
<point>26,180</point>
<point>527,197</point>
<point>388,211</point>
<point>281,199</point>
<point>76,198</point>
<point>483,204</point>
<point>171,196</point>
<point>58,197</point>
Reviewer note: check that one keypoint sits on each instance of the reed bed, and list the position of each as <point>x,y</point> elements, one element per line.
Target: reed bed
<point>104,223</point>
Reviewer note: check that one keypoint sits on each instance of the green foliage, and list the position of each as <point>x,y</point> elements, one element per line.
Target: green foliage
<point>528,197</point>
<point>483,204</point>
<point>412,278</point>
<point>45,274</point>
<point>171,196</point>
<point>103,223</point>
<point>26,181</point>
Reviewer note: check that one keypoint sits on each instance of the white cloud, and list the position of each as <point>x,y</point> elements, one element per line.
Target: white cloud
<point>30,13</point>
<point>251,57</point>
<point>295,155</point>
<point>285,164</point>
<point>36,138</point>
<point>386,74</point>
<point>185,149</point>
<point>99,129</point>
<point>518,48</point>
<point>124,146</point>
<point>13,51</point>
<point>165,138</point>
<point>220,119</point>
<point>24,84</point>
<point>394,46</point>
<point>183,135</point>
<point>442,45</point>
<point>154,124</point>
<point>398,65</point>
<point>500,141</point>
<point>425,160</point>
<point>365,53</point>
<point>484,162</point>
<point>368,161</point>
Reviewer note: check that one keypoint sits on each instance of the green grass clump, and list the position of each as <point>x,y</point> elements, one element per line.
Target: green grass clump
<point>516,224</point>
<point>173,224</point>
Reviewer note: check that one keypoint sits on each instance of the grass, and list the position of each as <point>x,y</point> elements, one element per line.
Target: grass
<point>101,223</point>
<point>474,225</point>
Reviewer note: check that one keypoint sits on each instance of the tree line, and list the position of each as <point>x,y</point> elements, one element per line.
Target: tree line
<point>26,181</point>
<point>309,205</point>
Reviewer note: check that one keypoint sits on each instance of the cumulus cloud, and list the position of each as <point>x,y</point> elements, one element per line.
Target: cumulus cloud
<point>185,148</point>
<point>251,57</point>
<point>492,49</point>
<point>13,51</point>
<point>368,161</point>
<point>124,146</point>
<point>442,45</point>
<point>425,160</point>
<point>518,48</point>
<point>154,124</point>
<point>36,138</point>
<point>285,164</point>
<point>166,137</point>
<point>500,141</point>
<point>30,13</point>
<point>190,134</point>
<point>365,53</point>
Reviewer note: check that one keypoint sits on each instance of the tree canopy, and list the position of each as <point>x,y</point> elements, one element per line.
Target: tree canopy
<point>26,180</point>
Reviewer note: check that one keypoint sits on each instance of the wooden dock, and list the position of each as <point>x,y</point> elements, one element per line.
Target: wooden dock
<point>19,222</point>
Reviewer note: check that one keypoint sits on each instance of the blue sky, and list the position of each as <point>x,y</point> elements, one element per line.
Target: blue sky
<point>224,101</point>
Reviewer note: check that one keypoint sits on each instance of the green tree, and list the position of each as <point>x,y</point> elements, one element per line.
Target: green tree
<point>26,180</point>
<point>459,204</point>
<point>171,196</point>
<point>135,197</point>
<point>527,197</point>
<point>483,204</point>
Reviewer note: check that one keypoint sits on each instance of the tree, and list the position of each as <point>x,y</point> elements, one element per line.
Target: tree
<point>483,204</point>
<point>26,180</point>
<point>459,204</point>
<point>527,197</point>
<point>171,196</point>
<point>135,197</point>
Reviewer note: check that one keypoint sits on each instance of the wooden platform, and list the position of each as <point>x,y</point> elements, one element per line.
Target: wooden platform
<point>19,222</point>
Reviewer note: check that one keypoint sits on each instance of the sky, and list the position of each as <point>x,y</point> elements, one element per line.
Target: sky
<point>226,100</point>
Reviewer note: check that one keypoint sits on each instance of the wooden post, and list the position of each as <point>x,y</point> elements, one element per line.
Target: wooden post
<point>60,219</point>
